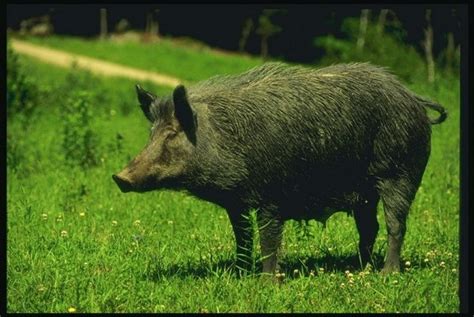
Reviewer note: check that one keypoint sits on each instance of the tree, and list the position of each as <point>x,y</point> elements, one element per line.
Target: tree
<point>428,46</point>
<point>122,26</point>
<point>364,19</point>
<point>247,28</point>
<point>450,52</point>
<point>266,29</point>
<point>103,23</point>
<point>152,26</point>
<point>382,19</point>
<point>37,26</point>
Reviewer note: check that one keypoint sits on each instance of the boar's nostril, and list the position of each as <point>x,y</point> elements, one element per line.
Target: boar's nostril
<point>123,183</point>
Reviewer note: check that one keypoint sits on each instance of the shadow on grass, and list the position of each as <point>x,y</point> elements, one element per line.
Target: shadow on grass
<point>190,269</point>
<point>288,265</point>
<point>329,262</point>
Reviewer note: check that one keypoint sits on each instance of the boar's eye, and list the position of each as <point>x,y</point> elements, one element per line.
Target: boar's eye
<point>171,133</point>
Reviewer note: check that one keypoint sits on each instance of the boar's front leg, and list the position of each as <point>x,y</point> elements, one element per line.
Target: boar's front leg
<point>243,237</point>
<point>366,220</point>
<point>271,231</point>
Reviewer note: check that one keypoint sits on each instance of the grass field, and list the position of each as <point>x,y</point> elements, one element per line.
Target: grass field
<point>167,57</point>
<point>76,243</point>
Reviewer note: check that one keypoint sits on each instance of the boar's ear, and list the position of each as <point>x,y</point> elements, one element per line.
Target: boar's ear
<point>146,99</point>
<point>184,113</point>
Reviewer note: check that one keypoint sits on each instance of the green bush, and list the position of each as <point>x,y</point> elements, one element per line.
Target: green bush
<point>80,144</point>
<point>449,59</point>
<point>384,49</point>
<point>80,80</point>
<point>15,154</point>
<point>22,92</point>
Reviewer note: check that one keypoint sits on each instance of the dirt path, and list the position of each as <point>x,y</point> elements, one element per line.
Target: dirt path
<point>97,66</point>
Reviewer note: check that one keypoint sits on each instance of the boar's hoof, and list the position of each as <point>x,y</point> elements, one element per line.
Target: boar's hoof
<point>387,269</point>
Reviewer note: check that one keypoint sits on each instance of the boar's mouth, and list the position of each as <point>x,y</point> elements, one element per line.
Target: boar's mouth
<point>126,185</point>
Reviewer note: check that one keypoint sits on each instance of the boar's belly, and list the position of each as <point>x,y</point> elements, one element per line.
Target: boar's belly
<point>318,208</point>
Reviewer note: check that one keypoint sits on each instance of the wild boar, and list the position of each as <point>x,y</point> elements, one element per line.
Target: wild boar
<point>293,143</point>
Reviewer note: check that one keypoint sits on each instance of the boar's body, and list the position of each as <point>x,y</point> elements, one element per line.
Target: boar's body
<point>299,143</point>
<point>306,141</point>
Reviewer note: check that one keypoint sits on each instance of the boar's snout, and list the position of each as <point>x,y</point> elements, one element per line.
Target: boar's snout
<point>123,183</point>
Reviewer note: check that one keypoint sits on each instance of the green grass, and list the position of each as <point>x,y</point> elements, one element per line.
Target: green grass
<point>166,57</point>
<point>75,241</point>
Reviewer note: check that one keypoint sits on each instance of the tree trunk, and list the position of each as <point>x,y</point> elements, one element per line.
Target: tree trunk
<point>103,23</point>
<point>428,45</point>
<point>148,23</point>
<point>364,19</point>
<point>154,27</point>
<point>450,52</point>
<point>381,22</point>
<point>245,34</point>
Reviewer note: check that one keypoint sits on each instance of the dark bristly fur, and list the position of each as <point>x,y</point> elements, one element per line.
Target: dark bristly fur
<point>295,143</point>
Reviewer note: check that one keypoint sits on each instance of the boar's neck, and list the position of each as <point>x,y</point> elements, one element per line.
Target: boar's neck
<point>215,170</point>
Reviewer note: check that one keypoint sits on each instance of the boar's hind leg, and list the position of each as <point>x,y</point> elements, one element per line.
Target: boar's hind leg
<point>397,196</point>
<point>271,231</point>
<point>365,217</point>
<point>243,238</point>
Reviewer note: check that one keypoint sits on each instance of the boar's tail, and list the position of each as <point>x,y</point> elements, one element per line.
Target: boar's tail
<point>436,107</point>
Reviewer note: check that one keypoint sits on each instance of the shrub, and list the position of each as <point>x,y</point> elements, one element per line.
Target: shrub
<point>385,49</point>
<point>15,155</point>
<point>80,144</point>
<point>22,92</point>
